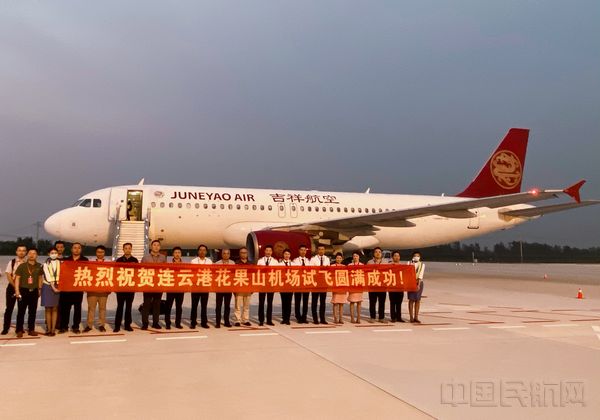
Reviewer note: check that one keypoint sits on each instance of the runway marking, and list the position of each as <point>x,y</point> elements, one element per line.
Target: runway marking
<point>560,325</point>
<point>258,334</point>
<point>394,330</point>
<point>313,327</point>
<point>506,327</point>
<point>86,335</point>
<point>455,304</point>
<point>586,319</point>
<point>540,320</point>
<point>17,344</point>
<point>173,332</point>
<point>373,325</point>
<point>596,328</point>
<point>99,341</point>
<point>433,323</point>
<point>450,328</point>
<point>537,319</point>
<point>187,337</point>
<point>22,338</point>
<point>504,307</point>
<point>328,332</point>
<point>247,329</point>
<point>473,321</point>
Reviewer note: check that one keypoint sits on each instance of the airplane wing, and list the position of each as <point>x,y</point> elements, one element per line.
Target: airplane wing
<point>540,211</point>
<point>367,224</point>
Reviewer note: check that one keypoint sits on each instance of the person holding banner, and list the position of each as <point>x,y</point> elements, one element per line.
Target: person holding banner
<point>71,299</point>
<point>396,298</point>
<point>174,297</point>
<point>355,298</point>
<point>201,259</point>
<point>97,299</point>
<point>318,298</point>
<point>242,300</point>
<point>414,298</point>
<point>377,299</point>
<point>267,260</point>
<point>301,297</point>
<point>286,297</point>
<point>125,299</point>
<point>152,300</point>
<point>50,293</point>
<point>224,297</point>
<point>338,298</point>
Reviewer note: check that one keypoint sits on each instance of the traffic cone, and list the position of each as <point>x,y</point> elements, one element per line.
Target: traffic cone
<point>580,294</point>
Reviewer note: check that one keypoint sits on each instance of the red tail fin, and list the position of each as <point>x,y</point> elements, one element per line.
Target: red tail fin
<point>503,172</point>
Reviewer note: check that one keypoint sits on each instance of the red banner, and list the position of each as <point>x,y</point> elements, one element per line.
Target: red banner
<point>121,277</point>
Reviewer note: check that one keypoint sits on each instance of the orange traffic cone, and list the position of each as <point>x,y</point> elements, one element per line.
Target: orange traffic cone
<point>580,294</point>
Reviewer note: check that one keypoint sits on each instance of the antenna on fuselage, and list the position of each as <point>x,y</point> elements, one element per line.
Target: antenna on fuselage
<point>141,182</point>
<point>368,190</point>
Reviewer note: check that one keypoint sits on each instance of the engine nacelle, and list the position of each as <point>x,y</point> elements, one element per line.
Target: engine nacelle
<point>256,241</point>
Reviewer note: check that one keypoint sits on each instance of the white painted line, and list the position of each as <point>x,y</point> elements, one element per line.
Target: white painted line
<point>396,330</point>
<point>328,332</point>
<point>506,327</point>
<point>185,337</point>
<point>121,340</point>
<point>17,345</point>
<point>559,325</point>
<point>257,334</point>
<point>450,328</point>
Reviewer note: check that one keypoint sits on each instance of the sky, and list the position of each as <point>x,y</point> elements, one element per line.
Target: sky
<point>399,96</point>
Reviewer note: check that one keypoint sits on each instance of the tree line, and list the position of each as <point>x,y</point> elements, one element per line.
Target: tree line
<point>511,252</point>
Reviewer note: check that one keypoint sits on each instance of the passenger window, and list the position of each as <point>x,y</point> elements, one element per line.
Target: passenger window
<point>97,203</point>
<point>316,208</point>
<point>205,206</point>
<point>188,205</point>
<point>262,207</point>
<point>197,205</point>
<point>214,206</point>
<point>352,209</point>
<point>301,208</point>
<point>230,207</point>
<point>86,203</point>
<point>380,210</point>
<point>366,210</point>
<point>238,206</point>
<point>222,206</point>
<point>246,207</point>
<point>345,209</point>
<point>270,208</point>
<point>170,205</point>
<point>309,208</point>
<point>324,208</point>
<point>162,205</point>
<point>339,210</point>
<point>179,205</point>
<point>153,204</point>
<point>253,206</point>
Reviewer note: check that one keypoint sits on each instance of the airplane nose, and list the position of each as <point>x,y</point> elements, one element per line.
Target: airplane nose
<point>52,225</point>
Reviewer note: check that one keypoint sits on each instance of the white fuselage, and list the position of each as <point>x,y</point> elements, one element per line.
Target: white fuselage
<point>223,217</point>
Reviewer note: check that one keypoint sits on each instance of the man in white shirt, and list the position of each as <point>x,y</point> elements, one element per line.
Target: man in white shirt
<point>201,259</point>
<point>319,260</point>
<point>225,296</point>
<point>301,297</point>
<point>377,299</point>
<point>11,268</point>
<point>286,297</point>
<point>267,260</point>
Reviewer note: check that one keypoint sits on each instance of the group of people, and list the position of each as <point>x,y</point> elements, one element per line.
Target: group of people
<point>29,280</point>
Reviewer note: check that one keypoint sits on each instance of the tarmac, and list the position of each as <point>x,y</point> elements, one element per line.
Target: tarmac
<point>496,342</point>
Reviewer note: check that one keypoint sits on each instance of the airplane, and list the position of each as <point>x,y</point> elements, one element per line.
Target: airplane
<point>342,221</point>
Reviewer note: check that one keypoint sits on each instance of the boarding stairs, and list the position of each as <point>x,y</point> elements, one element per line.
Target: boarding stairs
<point>132,231</point>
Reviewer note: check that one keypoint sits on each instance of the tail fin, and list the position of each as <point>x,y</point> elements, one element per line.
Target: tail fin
<point>503,172</point>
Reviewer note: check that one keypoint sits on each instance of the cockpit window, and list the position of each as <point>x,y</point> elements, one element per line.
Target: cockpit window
<point>86,203</point>
<point>77,203</point>
<point>97,202</point>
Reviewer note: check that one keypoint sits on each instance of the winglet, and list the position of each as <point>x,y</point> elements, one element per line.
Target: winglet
<point>573,190</point>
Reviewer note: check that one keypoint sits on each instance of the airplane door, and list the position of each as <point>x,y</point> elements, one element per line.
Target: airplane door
<point>281,210</point>
<point>474,221</point>
<point>116,205</point>
<point>293,210</point>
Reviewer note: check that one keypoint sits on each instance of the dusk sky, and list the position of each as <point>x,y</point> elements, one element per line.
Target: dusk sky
<point>402,97</point>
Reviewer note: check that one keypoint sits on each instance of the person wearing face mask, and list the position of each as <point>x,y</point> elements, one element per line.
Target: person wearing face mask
<point>50,293</point>
<point>414,298</point>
